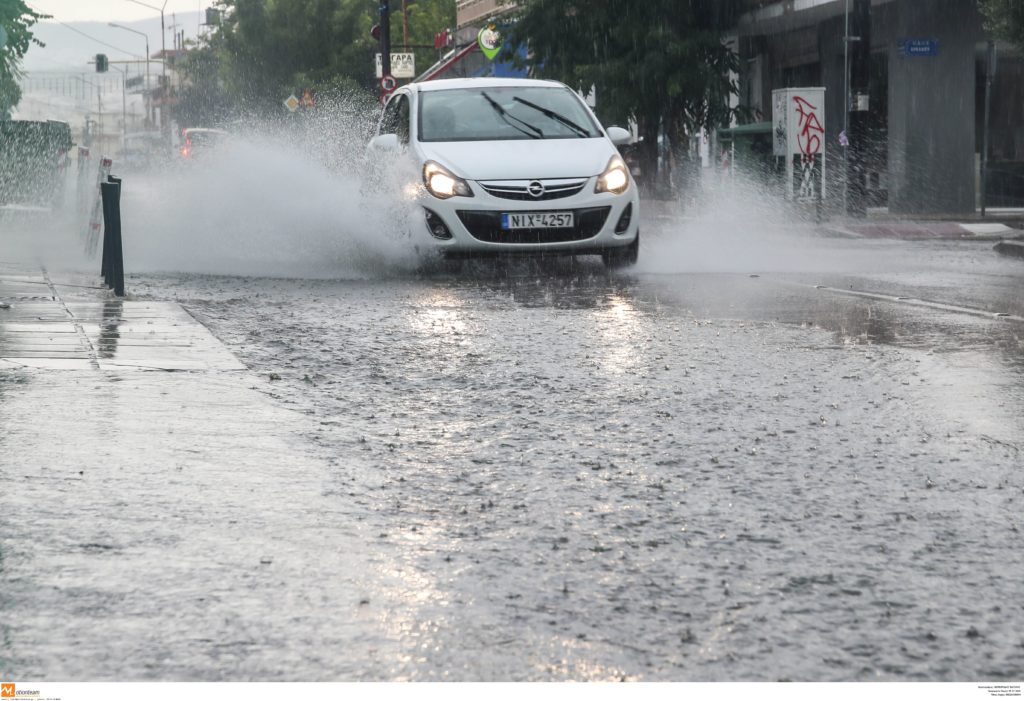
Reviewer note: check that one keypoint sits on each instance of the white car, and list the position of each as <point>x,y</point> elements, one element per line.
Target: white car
<point>512,166</point>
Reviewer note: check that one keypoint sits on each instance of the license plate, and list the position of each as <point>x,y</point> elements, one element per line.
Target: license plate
<point>537,220</point>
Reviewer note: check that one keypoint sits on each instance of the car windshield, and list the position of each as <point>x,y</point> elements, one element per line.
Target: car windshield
<point>503,114</point>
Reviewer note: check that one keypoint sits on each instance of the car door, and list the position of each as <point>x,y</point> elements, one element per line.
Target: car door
<point>389,156</point>
<point>395,120</point>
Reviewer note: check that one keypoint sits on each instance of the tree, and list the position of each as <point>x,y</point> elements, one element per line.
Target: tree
<point>16,20</point>
<point>202,100</point>
<point>427,18</point>
<point>661,63</point>
<point>267,49</point>
<point>1005,19</point>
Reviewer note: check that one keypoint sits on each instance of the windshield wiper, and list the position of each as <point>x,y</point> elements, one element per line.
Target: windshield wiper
<point>562,119</point>
<point>533,133</point>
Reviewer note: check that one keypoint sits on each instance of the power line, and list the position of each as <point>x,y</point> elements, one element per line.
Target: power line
<point>79,31</point>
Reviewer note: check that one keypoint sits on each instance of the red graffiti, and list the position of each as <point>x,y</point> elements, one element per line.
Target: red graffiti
<point>810,129</point>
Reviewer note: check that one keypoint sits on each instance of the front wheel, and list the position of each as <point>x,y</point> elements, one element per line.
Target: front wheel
<point>619,258</point>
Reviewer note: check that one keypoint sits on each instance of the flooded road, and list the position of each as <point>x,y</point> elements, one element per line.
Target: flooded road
<point>543,471</point>
<point>668,476</point>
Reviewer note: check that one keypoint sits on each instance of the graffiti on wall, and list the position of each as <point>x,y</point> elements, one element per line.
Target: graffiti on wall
<point>798,122</point>
<point>810,132</point>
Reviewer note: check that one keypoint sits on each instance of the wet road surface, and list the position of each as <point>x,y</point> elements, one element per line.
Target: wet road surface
<point>779,470</point>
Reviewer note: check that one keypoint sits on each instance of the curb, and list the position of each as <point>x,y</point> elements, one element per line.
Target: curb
<point>1010,248</point>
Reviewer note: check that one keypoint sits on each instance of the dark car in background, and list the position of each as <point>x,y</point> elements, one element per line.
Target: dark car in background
<point>197,142</point>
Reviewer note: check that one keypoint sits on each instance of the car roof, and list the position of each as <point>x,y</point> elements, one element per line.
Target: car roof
<point>204,130</point>
<point>461,83</point>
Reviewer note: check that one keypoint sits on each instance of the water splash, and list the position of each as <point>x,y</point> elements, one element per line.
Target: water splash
<point>291,199</point>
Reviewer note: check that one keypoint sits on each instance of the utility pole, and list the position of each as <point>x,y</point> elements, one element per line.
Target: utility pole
<point>859,42</point>
<point>405,25</point>
<point>146,93</point>
<point>385,37</point>
<point>124,105</point>
<point>163,62</point>
<point>163,33</point>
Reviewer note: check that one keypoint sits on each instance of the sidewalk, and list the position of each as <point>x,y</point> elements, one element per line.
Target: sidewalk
<point>144,473</point>
<point>1008,225</point>
<point>917,230</point>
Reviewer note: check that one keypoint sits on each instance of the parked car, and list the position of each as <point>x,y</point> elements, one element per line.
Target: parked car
<point>512,166</point>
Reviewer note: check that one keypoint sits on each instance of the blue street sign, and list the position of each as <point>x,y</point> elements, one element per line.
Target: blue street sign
<point>920,47</point>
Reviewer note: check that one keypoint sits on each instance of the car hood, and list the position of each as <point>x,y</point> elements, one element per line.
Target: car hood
<point>521,160</point>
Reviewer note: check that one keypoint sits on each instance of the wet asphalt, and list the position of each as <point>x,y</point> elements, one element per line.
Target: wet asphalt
<point>794,462</point>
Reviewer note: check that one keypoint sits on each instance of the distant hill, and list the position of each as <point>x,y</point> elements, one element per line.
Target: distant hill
<point>70,50</point>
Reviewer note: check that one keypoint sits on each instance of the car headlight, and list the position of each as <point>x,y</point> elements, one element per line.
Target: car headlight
<point>441,183</point>
<point>615,178</point>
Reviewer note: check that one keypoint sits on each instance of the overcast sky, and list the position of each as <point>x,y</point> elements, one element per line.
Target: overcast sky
<point>112,10</point>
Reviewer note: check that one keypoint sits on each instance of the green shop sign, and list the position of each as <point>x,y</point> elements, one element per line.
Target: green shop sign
<point>489,39</point>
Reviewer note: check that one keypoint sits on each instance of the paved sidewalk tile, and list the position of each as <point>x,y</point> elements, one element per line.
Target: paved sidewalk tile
<point>39,328</point>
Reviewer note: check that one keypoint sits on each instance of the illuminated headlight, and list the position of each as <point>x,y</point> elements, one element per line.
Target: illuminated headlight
<point>442,184</point>
<point>615,178</point>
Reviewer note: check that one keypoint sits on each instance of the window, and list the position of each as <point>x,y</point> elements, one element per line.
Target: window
<point>503,114</point>
<point>396,118</point>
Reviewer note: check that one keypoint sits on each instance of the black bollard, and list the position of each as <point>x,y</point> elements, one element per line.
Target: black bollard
<point>106,198</point>
<point>113,254</point>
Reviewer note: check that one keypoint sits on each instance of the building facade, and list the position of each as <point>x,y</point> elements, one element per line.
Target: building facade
<point>925,103</point>
<point>464,61</point>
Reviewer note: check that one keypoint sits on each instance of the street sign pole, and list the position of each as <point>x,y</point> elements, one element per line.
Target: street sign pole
<point>385,38</point>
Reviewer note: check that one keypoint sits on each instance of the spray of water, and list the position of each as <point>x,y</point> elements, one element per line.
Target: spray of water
<point>299,198</point>
<point>293,199</point>
<point>737,224</point>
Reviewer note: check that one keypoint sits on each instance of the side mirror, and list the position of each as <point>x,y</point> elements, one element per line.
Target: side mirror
<point>385,142</point>
<point>619,136</point>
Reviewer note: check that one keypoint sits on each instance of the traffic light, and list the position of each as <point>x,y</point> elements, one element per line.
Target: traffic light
<point>101,63</point>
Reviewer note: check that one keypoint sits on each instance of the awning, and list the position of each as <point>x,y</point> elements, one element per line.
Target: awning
<point>491,69</point>
<point>447,62</point>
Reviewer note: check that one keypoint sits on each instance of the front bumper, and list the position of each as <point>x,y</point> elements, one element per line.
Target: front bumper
<point>472,225</point>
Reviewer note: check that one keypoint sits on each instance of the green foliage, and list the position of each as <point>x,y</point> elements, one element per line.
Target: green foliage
<point>659,62</point>
<point>426,19</point>
<point>17,19</point>
<point>265,50</point>
<point>1005,19</point>
<point>203,101</point>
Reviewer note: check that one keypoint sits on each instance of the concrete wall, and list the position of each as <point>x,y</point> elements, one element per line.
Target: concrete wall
<point>932,109</point>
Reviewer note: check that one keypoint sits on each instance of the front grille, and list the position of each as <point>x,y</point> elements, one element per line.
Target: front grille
<point>520,189</point>
<point>486,226</point>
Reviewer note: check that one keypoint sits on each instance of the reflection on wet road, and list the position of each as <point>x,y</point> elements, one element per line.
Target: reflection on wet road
<point>548,472</point>
<point>575,475</point>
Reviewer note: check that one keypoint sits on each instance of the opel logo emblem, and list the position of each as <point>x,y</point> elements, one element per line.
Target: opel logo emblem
<point>536,188</point>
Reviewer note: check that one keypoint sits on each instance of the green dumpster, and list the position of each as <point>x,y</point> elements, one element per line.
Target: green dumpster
<point>34,158</point>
